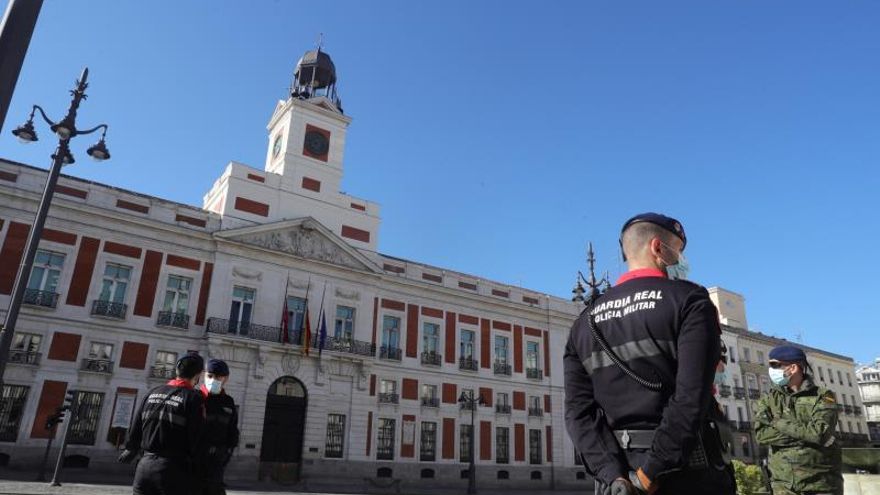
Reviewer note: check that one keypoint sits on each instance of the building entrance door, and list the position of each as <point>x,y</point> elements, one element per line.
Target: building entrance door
<point>283,425</point>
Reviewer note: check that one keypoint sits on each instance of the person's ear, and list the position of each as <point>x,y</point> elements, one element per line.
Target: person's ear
<point>656,247</point>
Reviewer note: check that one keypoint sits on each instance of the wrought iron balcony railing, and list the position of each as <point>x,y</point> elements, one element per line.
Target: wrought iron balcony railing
<point>848,409</point>
<point>534,374</point>
<point>162,372</point>
<point>431,401</point>
<point>109,309</point>
<point>501,368</point>
<point>25,357</point>
<point>857,410</point>
<point>468,364</point>
<point>390,353</point>
<point>97,365</point>
<point>389,398</point>
<point>536,411</point>
<point>344,344</point>
<point>502,408</point>
<point>248,330</point>
<point>745,426</point>
<point>42,298</point>
<point>754,394</point>
<point>172,319</point>
<point>244,329</point>
<point>739,393</point>
<point>432,358</point>
<point>724,390</point>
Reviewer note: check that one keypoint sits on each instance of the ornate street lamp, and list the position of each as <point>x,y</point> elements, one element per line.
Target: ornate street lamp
<point>597,287</point>
<point>468,400</point>
<point>66,130</point>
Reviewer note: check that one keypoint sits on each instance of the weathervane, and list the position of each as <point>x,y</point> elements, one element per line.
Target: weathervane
<point>597,287</point>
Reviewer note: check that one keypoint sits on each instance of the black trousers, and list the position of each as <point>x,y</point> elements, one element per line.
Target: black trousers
<point>708,481</point>
<point>163,476</point>
<point>213,487</point>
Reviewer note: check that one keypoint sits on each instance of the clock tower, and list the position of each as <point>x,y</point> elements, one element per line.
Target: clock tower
<point>304,164</point>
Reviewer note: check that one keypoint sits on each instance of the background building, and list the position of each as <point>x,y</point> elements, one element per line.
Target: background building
<point>868,377</point>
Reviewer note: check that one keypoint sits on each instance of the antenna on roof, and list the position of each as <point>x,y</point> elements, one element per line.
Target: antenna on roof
<point>320,43</point>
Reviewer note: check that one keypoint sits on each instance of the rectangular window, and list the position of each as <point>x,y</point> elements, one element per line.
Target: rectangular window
<point>464,447</point>
<point>839,377</point>
<point>830,375</point>
<point>11,411</point>
<point>739,414</point>
<point>502,445</point>
<point>821,374</point>
<point>732,353</point>
<point>385,441</point>
<point>760,357</point>
<point>429,391</point>
<point>242,307</point>
<point>430,337</point>
<point>467,344</point>
<point>165,364</point>
<point>115,283</point>
<point>391,332</point>
<point>747,355</point>
<point>335,436</point>
<point>177,294</point>
<point>296,315</point>
<point>344,326</point>
<point>848,379</point>
<point>100,350</point>
<point>25,348</point>
<point>428,449</point>
<point>501,347</point>
<point>388,387</point>
<point>535,447</point>
<point>46,271</point>
<point>84,427</point>
<point>503,399</point>
<point>532,355</point>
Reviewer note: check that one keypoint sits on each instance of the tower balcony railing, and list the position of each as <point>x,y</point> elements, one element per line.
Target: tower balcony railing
<point>25,357</point>
<point>109,309</point>
<point>432,358</point>
<point>172,319</point>
<point>501,368</point>
<point>42,298</point>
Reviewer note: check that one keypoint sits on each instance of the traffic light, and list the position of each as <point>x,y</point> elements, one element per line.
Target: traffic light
<point>58,417</point>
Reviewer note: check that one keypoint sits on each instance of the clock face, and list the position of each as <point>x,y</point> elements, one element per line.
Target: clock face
<point>316,143</point>
<point>276,146</point>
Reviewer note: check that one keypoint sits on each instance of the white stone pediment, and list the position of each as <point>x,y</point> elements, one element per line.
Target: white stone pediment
<point>303,238</point>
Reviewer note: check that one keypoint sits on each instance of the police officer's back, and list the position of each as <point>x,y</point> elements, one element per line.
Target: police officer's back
<point>638,385</point>
<point>221,427</point>
<point>168,428</point>
<point>797,420</point>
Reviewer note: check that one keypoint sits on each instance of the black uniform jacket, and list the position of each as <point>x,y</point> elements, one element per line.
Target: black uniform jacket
<point>221,431</point>
<point>665,330</point>
<point>169,422</point>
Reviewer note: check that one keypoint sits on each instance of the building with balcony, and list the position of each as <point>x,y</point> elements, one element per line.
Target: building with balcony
<point>125,283</point>
<point>868,379</point>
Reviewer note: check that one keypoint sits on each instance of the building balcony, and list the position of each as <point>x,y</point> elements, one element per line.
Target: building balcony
<point>162,372</point>
<point>390,353</point>
<point>385,398</point>
<point>109,309</point>
<point>847,409</point>
<point>174,320</point>
<point>502,408</point>
<point>534,374</point>
<point>468,364</point>
<point>536,412</point>
<point>97,365</point>
<point>857,411</point>
<point>25,357</point>
<point>432,358</point>
<point>430,401</point>
<point>41,298</point>
<point>739,393</point>
<point>244,329</point>
<point>501,368</point>
<point>724,391</point>
<point>345,345</point>
<point>754,394</point>
<point>745,426</point>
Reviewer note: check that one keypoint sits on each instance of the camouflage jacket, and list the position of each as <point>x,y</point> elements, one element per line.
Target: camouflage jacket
<point>799,428</point>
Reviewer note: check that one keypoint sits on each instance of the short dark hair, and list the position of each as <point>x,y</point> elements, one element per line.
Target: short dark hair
<point>639,234</point>
<point>190,366</point>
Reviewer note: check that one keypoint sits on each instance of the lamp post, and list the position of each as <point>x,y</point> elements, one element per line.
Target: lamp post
<point>468,400</point>
<point>66,130</point>
<point>597,287</point>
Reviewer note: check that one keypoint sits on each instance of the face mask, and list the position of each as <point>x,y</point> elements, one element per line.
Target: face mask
<point>678,270</point>
<point>720,377</point>
<point>777,376</point>
<point>213,386</point>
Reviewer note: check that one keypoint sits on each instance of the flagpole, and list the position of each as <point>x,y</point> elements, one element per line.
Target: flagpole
<point>304,324</point>
<point>321,322</point>
<point>285,323</point>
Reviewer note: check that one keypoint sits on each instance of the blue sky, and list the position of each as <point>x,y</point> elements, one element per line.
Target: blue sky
<point>500,137</point>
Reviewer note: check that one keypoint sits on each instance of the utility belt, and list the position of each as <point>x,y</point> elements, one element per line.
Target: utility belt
<point>709,451</point>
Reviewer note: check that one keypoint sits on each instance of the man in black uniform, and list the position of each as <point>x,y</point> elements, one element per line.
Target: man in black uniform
<point>639,366</point>
<point>168,428</point>
<point>221,427</point>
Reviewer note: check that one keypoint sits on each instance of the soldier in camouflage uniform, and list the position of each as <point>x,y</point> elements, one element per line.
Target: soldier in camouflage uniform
<point>796,420</point>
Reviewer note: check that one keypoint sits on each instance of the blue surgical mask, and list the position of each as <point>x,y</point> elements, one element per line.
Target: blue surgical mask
<point>777,376</point>
<point>214,386</point>
<point>678,270</point>
<point>720,377</point>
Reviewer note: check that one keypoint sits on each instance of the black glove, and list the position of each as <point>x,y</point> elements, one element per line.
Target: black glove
<point>622,487</point>
<point>636,483</point>
<point>126,456</point>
